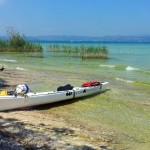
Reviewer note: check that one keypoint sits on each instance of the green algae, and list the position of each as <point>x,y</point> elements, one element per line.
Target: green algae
<point>141,83</point>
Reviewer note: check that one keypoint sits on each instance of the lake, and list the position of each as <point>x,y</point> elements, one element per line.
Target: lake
<point>123,112</point>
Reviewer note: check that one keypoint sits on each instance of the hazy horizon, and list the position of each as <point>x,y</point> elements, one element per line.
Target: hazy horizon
<point>95,18</point>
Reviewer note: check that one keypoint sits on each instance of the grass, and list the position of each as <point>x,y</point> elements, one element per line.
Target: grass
<point>80,51</point>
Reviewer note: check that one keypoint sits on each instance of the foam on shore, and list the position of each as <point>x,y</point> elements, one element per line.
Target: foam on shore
<point>19,68</point>
<point>8,60</point>
<point>109,66</point>
<point>129,68</point>
<point>123,80</point>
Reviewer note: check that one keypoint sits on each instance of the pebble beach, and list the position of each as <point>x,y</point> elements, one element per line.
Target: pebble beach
<point>31,128</point>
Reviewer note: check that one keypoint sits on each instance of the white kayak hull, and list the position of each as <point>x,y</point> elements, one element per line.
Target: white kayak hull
<point>34,99</point>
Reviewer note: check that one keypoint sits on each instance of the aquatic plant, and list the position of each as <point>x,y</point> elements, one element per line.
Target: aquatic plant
<point>17,43</point>
<point>80,51</point>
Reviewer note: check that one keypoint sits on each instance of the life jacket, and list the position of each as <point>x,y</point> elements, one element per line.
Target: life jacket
<point>92,83</point>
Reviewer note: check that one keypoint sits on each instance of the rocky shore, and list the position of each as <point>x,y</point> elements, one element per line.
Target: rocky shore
<point>39,131</point>
<point>31,129</point>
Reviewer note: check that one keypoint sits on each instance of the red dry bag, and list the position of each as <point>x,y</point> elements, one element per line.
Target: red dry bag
<point>92,83</point>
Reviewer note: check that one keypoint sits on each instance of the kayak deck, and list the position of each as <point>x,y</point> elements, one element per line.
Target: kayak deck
<point>8,102</point>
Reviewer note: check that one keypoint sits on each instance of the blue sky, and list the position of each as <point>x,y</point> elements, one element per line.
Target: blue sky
<point>76,17</point>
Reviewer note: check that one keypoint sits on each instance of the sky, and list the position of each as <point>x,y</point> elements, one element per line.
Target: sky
<point>76,17</point>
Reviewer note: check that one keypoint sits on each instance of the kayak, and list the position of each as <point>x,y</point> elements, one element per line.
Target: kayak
<point>9,102</point>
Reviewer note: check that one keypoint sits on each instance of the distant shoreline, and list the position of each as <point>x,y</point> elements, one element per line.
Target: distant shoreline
<point>90,42</point>
<point>86,39</point>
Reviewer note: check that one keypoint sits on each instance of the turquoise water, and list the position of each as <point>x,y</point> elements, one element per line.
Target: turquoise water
<point>123,110</point>
<point>127,62</point>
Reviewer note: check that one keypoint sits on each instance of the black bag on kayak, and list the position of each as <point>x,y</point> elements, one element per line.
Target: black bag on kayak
<point>65,87</point>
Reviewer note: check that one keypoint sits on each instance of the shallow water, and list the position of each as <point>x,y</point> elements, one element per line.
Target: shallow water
<point>123,111</point>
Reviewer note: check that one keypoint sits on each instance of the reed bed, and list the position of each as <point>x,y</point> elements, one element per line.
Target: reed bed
<point>80,51</point>
<point>17,43</point>
<point>29,49</point>
<point>5,46</point>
